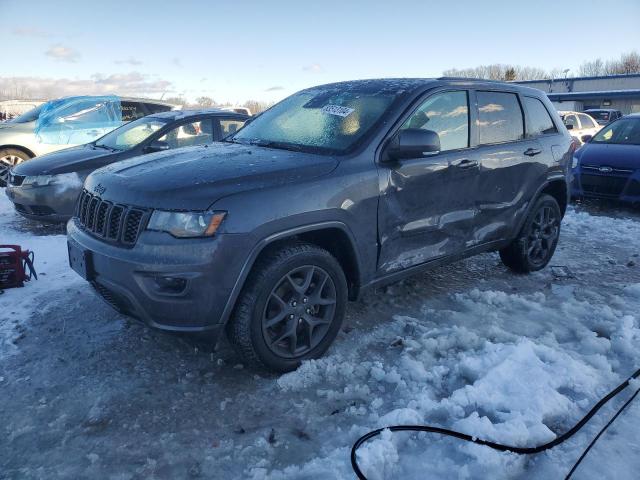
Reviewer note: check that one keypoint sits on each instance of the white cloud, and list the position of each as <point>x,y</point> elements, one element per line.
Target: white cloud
<point>129,61</point>
<point>314,68</point>
<point>130,84</point>
<point>63,54</point>
<point>31,32</point>
<point>274,89</point>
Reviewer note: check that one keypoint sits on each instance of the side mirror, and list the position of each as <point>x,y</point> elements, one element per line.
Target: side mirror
<point>413,143</point>
<point>156,146</point>
<point>569,127</point>
<point>586,138</point>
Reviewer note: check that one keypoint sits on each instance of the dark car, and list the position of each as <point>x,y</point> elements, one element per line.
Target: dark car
<point>46,188</point>
<point>334,190</point>
<point>604,116</point>
<point>608,166</point>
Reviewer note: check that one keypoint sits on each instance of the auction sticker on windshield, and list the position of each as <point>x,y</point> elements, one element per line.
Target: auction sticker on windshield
<point>337,110</point>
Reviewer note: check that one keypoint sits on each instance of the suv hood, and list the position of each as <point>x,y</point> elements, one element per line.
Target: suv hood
<point>194,178</point>
<point>74,159</point>
<point>610,155</point>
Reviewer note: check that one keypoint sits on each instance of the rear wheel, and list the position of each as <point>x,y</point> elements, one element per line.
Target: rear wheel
<point>291,308</point>
<point>10,157</point>
<point>533,248</point>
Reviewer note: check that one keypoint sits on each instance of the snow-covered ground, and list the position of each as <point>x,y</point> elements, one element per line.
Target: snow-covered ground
<point>84,393</point>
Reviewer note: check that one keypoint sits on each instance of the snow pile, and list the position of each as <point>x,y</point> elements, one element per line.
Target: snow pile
<point>513,359</point>
<point>17,305</point>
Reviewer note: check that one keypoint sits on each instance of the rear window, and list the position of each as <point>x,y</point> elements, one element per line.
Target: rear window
<point>599,115</point>
<point>132,111</point>
<point>539,121</point>
<point>500,117</point>
<point>155,108</point>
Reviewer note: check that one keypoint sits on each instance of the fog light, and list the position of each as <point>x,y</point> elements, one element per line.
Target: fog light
<point>170,284</point>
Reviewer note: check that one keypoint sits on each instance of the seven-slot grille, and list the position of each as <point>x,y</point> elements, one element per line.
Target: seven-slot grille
<point>119,224</point>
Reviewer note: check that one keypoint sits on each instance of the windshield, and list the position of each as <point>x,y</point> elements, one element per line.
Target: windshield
<point>131,134</point>
<point>30,116</point>
<point>320,120</point>
<point>624,132</point>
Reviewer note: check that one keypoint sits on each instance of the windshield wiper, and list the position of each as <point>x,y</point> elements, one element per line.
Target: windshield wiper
<point>100,145</point>
<point>275,144</point>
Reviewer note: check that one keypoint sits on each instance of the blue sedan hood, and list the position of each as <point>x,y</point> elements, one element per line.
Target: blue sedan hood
<point>610,155</point>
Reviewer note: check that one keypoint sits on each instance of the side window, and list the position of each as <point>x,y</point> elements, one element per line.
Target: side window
<point>447,114</point>
<point>538,119</point>
<point>499,117</point>
<point>189,134</point>
<point>230,126</point>
<point>132,111</point>
<point>586,121</point>
<point>155,108</point>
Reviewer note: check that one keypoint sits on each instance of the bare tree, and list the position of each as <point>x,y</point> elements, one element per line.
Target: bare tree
<point>593,68</point>
<point>257,106</point>
<point>205,101</point>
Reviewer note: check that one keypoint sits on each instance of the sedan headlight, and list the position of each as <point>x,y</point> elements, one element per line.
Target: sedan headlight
<point>38,180</point>
<point>186,224</point>
<point>70,180</point>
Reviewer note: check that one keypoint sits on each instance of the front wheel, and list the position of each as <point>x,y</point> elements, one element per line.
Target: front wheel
<point>291,308</point>
<point>533,248</point>
<point>10,157</point>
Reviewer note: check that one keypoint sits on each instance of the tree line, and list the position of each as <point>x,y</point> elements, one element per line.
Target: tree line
<point>625,64</point>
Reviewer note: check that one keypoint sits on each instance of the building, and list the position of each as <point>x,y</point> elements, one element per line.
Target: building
<point>619,92</point>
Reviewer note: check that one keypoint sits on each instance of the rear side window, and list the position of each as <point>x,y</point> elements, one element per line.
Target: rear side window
<point>155,108</point>
<point>586,121</point>
<point>500,117</point>
<point>132,111</point>
<point>571,120</point>
<point>447,114</point>
<point>538,119</point>
<point>230,126</point>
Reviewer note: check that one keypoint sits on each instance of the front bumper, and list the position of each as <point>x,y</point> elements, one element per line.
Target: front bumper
<point>619,185</point>
<point>127,278</point>
<point>48,203</point>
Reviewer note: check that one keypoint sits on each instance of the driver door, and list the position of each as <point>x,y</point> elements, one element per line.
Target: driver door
<point>427,209</point>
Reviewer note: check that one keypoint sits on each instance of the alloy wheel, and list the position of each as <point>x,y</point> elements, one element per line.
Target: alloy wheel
<point>543,233</point>
<point>299,311</point>
<point>6,162</point>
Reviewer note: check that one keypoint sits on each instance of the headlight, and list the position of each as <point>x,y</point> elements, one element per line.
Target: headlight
<point>574,162</point>
<point>67,179</point>
<point>186,224</point>
<point>39,180</point>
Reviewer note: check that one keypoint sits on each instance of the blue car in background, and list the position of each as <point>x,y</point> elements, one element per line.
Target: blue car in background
<point>608,165</point>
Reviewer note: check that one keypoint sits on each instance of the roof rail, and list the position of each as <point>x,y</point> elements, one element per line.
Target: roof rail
<point>469,79</point>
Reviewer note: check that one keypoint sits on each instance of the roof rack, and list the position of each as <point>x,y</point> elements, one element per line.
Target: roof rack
<point>469,79</point>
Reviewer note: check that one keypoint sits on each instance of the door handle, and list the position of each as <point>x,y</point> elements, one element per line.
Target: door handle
<point>532,152</point>
<point>464,163</point>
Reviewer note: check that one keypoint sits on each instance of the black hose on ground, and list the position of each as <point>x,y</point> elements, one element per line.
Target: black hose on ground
<point>506,448</point>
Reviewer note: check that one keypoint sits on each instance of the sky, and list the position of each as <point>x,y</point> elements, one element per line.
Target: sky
<point>266,50</point>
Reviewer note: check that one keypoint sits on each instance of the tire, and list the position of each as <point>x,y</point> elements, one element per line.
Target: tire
<point>269,327</point>
<point>536,243</point>
<point>10,157</point>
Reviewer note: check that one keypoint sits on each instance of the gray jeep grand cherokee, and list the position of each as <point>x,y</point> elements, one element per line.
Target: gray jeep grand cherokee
<point>336,189</point>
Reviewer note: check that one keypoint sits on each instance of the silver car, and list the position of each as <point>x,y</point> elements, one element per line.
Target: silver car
<point>19,141</point>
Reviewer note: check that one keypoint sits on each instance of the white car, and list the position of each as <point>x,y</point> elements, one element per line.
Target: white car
<point>580,125</point>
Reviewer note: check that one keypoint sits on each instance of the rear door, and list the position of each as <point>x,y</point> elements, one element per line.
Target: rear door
<point>510,164</point>
<point>427,207</point>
